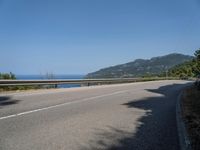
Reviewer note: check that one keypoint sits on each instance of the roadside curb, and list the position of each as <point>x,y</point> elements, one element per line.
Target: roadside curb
<point>182,133</point>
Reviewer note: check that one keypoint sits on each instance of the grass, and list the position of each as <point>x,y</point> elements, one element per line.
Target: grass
<point>191,113</point>
<point>25,87</point>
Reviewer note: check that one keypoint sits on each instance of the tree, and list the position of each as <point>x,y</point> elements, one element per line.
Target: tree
<point>197,59</point>
<point>189,69</point>
<point>197,54</point>
<point>12,76</point>
<point>7,76</point>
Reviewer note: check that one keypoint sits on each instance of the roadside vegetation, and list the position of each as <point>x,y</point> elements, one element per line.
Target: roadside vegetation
<point>19,87</point>
<point>7,76</point>
<point>11,76</point>
<point>188,69</point>
<point>191,113</point>
<point>191,99</point>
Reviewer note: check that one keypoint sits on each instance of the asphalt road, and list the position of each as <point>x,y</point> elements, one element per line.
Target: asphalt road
<point>135,116</point>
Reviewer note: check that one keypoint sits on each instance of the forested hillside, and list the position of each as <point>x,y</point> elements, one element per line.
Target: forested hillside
<point>142,67</point>
<point>188,69</point>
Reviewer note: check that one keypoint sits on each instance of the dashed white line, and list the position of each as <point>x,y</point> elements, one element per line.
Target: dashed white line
<point>59,105</point>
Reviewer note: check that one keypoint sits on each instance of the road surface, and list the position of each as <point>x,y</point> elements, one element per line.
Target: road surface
<point>139,116</point>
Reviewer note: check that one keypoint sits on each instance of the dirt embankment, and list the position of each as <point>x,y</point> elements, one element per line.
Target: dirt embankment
<point>191,112</point>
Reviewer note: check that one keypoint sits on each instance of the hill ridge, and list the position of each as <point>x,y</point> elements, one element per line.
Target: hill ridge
<point>141,67</point>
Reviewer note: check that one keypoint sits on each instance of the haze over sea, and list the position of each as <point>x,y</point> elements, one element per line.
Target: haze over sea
<point>38,77</point>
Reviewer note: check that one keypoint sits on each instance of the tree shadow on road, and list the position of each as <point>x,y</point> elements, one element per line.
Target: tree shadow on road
<point>6,101</point>
<point>156,130</point>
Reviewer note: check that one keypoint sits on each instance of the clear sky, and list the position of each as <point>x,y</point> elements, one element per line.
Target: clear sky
<point>81,36</point>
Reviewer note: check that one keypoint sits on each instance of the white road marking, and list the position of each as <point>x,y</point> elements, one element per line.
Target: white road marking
<point>63,104</point>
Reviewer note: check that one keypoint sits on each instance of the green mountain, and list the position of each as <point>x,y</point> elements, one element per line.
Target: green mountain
<point>141,67</point>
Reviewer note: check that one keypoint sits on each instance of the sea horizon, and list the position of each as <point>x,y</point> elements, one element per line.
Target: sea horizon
<point>54,76</point>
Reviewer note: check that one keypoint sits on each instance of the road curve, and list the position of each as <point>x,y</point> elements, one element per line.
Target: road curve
<point>139,116</point>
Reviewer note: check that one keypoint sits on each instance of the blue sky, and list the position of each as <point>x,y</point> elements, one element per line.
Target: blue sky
<point>81,36</point>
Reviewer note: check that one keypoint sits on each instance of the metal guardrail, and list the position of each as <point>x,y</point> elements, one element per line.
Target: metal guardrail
<point>73,81</point>
<point>86,82</point>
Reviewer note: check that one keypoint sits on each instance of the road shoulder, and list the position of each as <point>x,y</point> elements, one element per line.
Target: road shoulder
<point>182,132</point>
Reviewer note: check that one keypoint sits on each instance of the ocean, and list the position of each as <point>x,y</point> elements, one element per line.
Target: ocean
<point>40,77</point>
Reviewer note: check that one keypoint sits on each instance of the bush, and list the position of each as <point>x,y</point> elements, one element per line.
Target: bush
<point>7,76</point>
